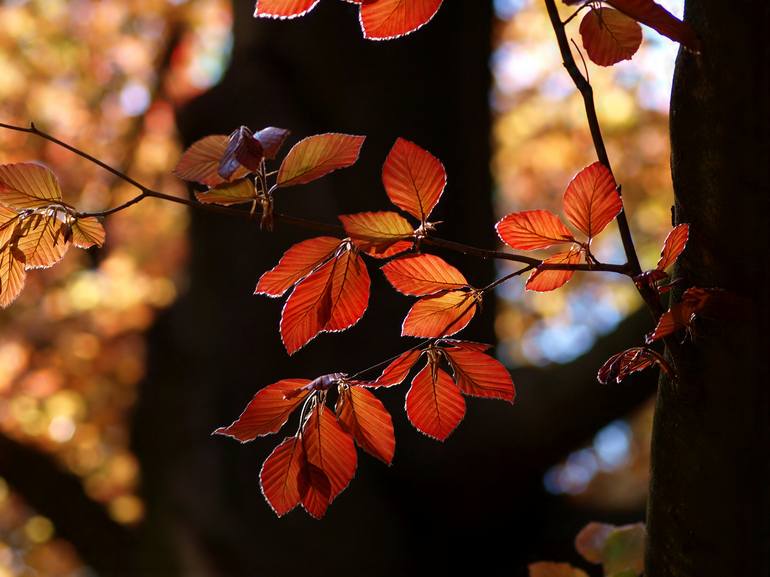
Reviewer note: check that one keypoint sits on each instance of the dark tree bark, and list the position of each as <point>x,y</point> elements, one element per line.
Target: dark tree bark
<point>708,513</point>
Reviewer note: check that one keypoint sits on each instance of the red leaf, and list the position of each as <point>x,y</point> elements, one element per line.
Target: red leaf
<point>296,264</point>
<point>610,36</point>
<point>330,448</point>
<point>379,234</point>
<point>480,375</point>
<point>434,404</point>
<point>315,488</point>
<point>547,280</point>
<point>333,298</point>
<point>622,364</point>
<point>279,477</point>
<point>364,416</point>
<point>397,371</point>
<point>532,229</point>
<point>414,179</point>
<point>386,19</point>
<point>466,345</point>
<point>675,243</point>
<point>549,569</point>
<point>271,139</point>
<point>656,17</point>
<point>681,315</point>
<point>283,9</point>
<point>200,162</point>
<point>268,411</point>
<point>423,274</point>
<point>591,200</point>
<point>440,316</point>
<point>317,156</point>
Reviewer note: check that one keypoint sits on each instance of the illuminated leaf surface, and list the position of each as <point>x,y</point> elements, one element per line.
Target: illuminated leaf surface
<point>673,246</point>
<point>267,412</point>
<point>42,240</point>
<point>12,274</point>
<point>466,345</point>
<point>591,200</point>
<point>229,193</point>
<point>622,364</point>
<point>315,488</point>
<point>547,280</point>
<point>397,371</point>
<point>283,8</point>
<point>532,229</point>
<point>379,234</point>
<point>386,19</point>
<point>439,316</point>
<point>317,156</point>
<point>28,185</point>
<point>279,477</point>
<point>609,36</point>
<point>655,16</point>
<point>413,178</point>
<point>9,218</point>
<point>423,274</point>
<point>480,375</point>
<point>296,264</point>
<point>680,315</point>
<point>365,417</point>
<point>88,232</point>
<point>548,569</point>
<point>434,404</point>
<point>200,162</point>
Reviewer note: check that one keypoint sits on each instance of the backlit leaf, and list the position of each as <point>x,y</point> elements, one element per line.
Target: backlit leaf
<point>41,239</point>
<point>283,9</point>
<point>315,489</point>
<point>548,569</point>
<point>12,273</point>
<point>434,404</point>
<point>397,371</point>
<point>200,162</point>
<point>532,229</point>
<point>317,156</point>
<point>622,364</point>
<point>542,280</point>
<point>88,232</point>
<point>413,178</point>
<point>229,193</point>
<point>267,412</point>
<point>675,243</point>
<point>365,417</point>
<point>591,200</point>
<point>591,539</point>
<point>465,345</point>
<point>655,16</point>
<point>423,274</point>
<point>296,263</point>
<point>440,316</point>
<point>609,36</point>
<point>279,477</point>
<point>480,375</point>
<point>28,185</point>
<point>624,550</point>
<point>9,218</point>
<point>681,315</point>
<point>379,234</point>
<point>386,19</point>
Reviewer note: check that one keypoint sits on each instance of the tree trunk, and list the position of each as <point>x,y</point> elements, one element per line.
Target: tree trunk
<point>708,513</point>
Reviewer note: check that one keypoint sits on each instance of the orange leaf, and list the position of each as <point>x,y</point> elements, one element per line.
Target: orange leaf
<point>423,274</point>
<point>329,448</point>
<point>333,298</point>
<point>12,273</point>
<point>200,162</point>
<point>28,185</point>
<point>9,218</point>
<point>434,404</point>
<point>42,240</point>
<point>315,488</point>
<point>229,193</point>
<point>548,569</point>
<point>386,19</point>
<point>414,179</point>
<point>364,416</point>
<point>440,316</point>
<point>610,36</point>
<point>296,263</point>
<point>681,315</point>
<point>656,17</point>
<point>547,280</point>
<point>532,229</point>
<point>397,371</point>
<point>317,156</point>
<point>480,375</point>
<point>279,477</point>
<point>88,232</point>
<point>673,246</point>
<point>268,411</point>
<point>379,234</point>
<point>591,200</point>
<point>283,9</point>
<point>466,345</point>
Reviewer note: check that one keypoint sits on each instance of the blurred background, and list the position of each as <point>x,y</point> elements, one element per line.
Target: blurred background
<point>116,365</point>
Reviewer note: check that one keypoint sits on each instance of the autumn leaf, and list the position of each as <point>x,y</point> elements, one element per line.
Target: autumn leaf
<point>364,416</point>
<point>12,273</point>
<point>279,476</point>
<point>396,372</point>
<point>434,404</point>
<point>681,315</point>
<point>422,275</point>
<point>9,218</point>
<point>379,234</point>
<point>440,316</point>
<point>28,185</point>
<point>622,364</point>
<point>673,246</point>
<point>609,36</point>
<point>655,16</point>
<point>200,162</point>
<point>268,411</point>
<point>591,200</point>
<point>41,237</point>
<point>283,9</point>
<point>480,375</point>
<point>543,280</point>
<point>229,193</point>
<point>549,569</point>
<point>317,156</point>
<point>315,489</point>
<point>414,179</point>
<point>465,345</point>
<point>387,19</point>
<point>533,229</point>
<point>87,232</point>
<point>296,263</point>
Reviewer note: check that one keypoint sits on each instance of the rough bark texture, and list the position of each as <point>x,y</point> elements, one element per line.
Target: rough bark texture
<point>708,511</point>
